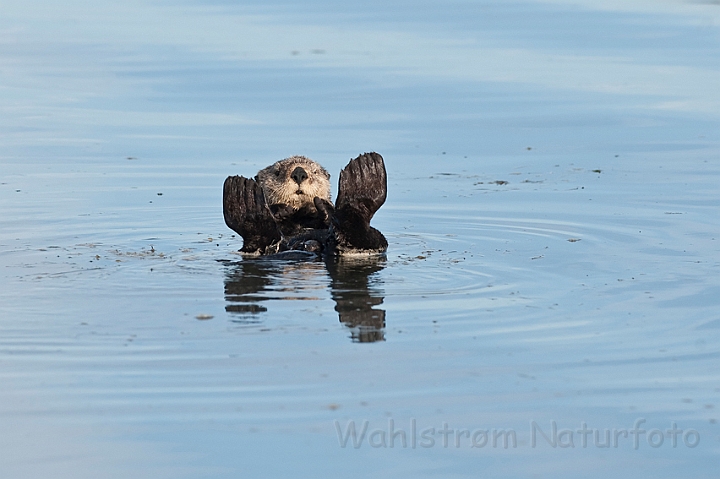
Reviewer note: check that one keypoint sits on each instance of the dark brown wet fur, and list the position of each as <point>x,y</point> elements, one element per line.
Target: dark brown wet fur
<point>245,213</point>
<point>362,191</point>
<point>319,228</point>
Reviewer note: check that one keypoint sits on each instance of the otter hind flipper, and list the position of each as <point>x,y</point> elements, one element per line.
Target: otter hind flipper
<point>363,185</point>
<point>246,213</point>
<point>362,190</point>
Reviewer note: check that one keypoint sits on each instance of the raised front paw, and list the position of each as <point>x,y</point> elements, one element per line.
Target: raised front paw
<point>325,210</point>
<point>282,212</point>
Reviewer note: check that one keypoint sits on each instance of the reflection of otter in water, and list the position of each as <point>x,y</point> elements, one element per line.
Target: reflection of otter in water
<point>287,207</point>
<point>254,280</point>
<point>355,296</point>
<point>285,213</point>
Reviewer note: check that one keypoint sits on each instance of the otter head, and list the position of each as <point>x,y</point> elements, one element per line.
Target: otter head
<point>294,181</point>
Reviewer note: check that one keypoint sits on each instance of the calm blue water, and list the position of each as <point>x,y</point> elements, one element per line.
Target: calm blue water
<point>552,217</point>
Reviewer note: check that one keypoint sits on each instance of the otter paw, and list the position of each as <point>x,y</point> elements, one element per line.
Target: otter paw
<point>282,212</point>
<point>325,210</point>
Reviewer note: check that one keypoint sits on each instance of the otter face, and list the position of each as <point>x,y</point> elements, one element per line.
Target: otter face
<point>294,181</point>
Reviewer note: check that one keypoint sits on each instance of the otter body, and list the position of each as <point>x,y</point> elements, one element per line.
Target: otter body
<point>287,207</point>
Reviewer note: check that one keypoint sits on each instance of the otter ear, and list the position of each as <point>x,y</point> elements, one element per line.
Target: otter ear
<point>264,173</point>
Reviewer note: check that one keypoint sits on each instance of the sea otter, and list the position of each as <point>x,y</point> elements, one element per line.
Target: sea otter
<point>287,207</point>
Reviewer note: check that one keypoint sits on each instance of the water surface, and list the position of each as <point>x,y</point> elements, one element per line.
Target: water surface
<point>552,219</point>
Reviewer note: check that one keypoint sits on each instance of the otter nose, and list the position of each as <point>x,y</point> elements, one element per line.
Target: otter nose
<point>299,175</point>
